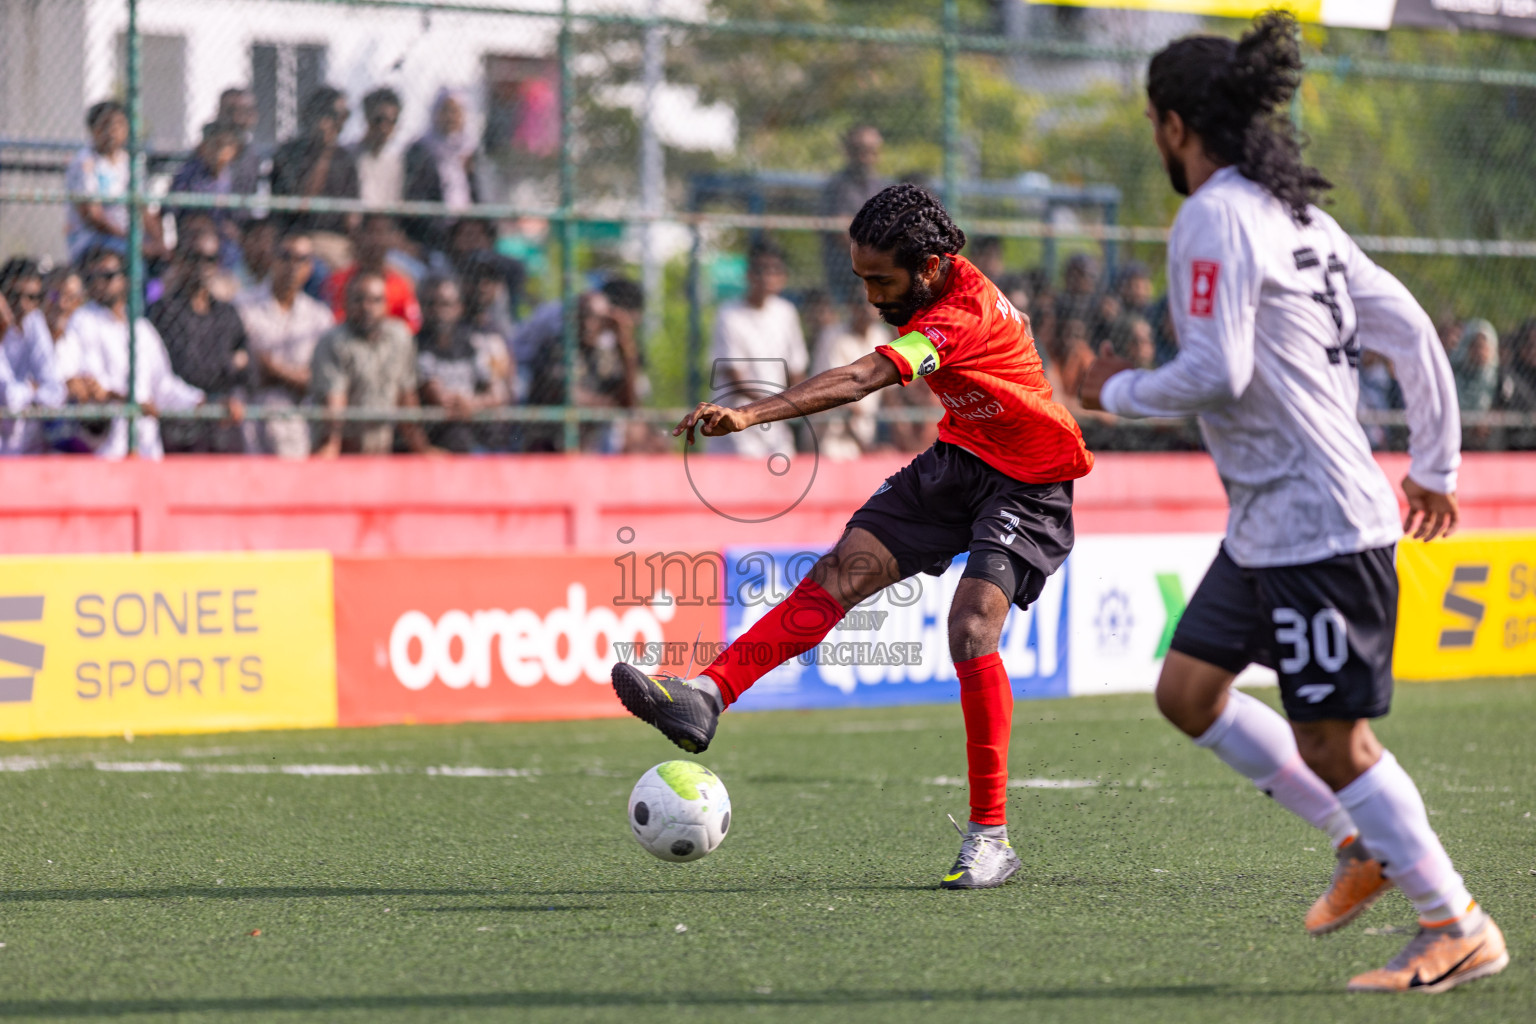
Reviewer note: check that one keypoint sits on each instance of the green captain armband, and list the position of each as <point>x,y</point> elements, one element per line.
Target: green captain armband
<point>919,353</point>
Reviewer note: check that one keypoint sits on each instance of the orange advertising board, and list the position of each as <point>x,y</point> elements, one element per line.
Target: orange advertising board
<point>500,638</point>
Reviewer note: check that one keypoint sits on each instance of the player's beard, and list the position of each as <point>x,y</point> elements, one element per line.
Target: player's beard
<point>1178,177</point>
<point>919,296</point>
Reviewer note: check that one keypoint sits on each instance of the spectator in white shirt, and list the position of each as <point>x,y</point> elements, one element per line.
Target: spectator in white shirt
<point>101,169</point>
<point>758,350</point>
<point>282,327</point>
<point>63,295</point>
<point>380,166</point>
<point>29,375</point>
<point>101,329</point>
<point>849,432</point>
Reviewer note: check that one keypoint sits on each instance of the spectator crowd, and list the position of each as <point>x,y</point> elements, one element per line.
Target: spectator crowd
<point>338,313</point>
<point>345,315</point>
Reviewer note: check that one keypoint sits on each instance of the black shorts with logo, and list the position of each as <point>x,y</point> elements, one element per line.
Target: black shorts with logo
<point>947,501</point>
<point>1326,628</point>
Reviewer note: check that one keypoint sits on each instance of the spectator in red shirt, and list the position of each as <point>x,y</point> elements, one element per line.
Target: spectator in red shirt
<point>374,238</point>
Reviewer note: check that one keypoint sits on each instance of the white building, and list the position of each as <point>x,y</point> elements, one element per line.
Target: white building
<point>1125,30</point>
<point>57,57</point>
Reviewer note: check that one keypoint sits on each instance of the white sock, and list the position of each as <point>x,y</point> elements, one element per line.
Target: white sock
<point>995,831</point>
<point>1390,812</point>
<point>1251,738</point>
<point>710,687</point>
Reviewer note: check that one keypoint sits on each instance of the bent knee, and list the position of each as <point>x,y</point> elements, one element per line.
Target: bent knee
<point>972,634</point>
<point>1337,750</point>
<point>976,619</point>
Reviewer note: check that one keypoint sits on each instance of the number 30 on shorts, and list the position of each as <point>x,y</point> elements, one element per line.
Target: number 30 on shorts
<point>1327,644</point>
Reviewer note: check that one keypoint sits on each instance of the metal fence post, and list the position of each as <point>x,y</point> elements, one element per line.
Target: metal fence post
<point>653,179</point>
<point>694,383</point>
<point>952,107</point>
<point>571,433</point>
<point>135,240</point>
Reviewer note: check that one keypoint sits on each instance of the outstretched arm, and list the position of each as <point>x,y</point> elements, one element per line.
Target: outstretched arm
<point>1213,292</point>
<point>837,386</point>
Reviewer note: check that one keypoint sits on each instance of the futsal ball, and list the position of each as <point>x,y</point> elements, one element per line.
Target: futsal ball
<point>679,810</point>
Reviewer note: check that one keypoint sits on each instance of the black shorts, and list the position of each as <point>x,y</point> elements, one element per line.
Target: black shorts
<point>947,501</point>
<point>1327,628</point>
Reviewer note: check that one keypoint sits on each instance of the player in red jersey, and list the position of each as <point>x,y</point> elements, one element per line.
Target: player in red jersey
<point>997,484</point>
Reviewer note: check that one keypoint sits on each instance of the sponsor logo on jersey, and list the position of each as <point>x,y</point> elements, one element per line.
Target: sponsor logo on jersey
<point>974,404</point>
<point>936,336</point>
<point>1202,299</point>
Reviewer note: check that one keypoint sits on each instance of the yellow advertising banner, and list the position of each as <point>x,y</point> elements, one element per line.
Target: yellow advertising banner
<point>96,645</point>
<point>1467,607</point>
<point>1305,10</point>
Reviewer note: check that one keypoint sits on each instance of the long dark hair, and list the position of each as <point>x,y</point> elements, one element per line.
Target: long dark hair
<point>909,222</point>
<point>1233,95</point>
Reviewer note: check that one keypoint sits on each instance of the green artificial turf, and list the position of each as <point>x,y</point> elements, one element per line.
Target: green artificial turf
<point>1170,890</point>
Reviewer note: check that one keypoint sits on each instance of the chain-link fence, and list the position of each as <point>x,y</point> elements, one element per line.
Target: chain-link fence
<point>551,203</point>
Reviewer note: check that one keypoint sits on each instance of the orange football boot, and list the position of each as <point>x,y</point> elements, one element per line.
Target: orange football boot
<point>1441,956</point>
<point>1357,883</point>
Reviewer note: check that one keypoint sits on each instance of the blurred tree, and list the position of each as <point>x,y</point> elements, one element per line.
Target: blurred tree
<point>1410,155</point>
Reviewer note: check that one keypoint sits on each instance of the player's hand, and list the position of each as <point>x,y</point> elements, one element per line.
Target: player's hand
<point>711,420</point>
<point>1098,373</point>
<point>1430,513</point>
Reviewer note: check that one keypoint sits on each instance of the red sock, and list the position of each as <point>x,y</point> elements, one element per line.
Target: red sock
<point>796,625</point>
<point>986,700</point>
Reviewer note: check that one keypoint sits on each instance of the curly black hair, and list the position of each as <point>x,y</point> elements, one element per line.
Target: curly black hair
<point>909,221</point>
<point>1233,95</point>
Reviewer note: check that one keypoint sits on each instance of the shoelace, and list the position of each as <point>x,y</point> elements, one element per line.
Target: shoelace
<point>971,846</point>
<point>670,677</point>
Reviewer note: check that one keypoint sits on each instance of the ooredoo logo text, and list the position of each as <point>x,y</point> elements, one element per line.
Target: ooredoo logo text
<point>460,648</point>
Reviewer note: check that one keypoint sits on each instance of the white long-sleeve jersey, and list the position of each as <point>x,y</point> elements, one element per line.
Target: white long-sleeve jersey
<point>101,351</point>
<point>1270,317</point>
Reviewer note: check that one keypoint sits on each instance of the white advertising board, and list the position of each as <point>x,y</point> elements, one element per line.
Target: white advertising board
<point>1126,594</point>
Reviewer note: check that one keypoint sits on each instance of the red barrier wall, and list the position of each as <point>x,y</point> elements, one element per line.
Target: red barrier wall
<point>549,503</point>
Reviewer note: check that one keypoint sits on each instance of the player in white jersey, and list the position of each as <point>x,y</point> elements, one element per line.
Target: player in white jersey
<point>1272,304</point>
